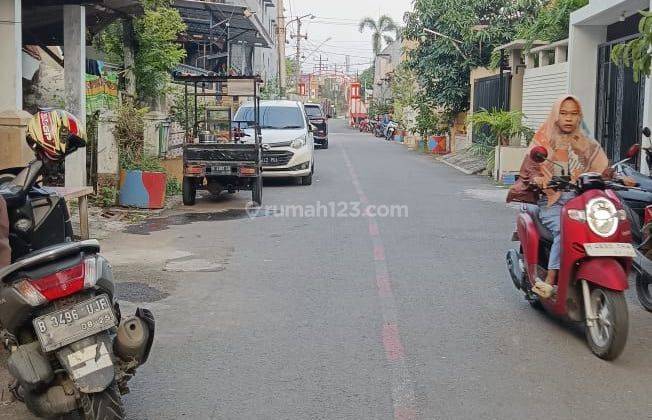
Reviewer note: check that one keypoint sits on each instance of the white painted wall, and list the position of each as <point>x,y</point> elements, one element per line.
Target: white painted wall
<point>583,66</point>
<point>11,83</point>
<point>541,87</point>
<point>587,31</point>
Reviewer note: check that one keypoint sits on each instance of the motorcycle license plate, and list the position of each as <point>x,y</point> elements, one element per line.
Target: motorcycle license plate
<point>610,249</point>
<point>60,328</point>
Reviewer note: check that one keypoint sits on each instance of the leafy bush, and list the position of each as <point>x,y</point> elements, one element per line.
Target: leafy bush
<point>129,133</point>
<point>503,125</point>
<point>483,146</point>
<point>105,197</point>
<point>173,187</point>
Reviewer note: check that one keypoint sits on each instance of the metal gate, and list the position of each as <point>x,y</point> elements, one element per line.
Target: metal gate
<point>620,100</point>
<point>487,95</point>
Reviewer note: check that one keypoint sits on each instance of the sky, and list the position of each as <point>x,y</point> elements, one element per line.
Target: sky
<point>338,20</point>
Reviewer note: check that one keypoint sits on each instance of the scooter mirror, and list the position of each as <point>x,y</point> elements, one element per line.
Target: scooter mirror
<point>647,132</point>
<point>539,154</point>
<point>633,151</point>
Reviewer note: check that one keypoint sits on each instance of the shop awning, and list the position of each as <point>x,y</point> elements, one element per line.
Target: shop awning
<point>43,19</point>
<point>210,20</point>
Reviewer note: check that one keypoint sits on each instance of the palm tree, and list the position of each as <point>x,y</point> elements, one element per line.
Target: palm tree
<point>379,31</point>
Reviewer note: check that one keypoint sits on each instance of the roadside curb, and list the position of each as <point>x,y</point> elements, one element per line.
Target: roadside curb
<point>459,168</point>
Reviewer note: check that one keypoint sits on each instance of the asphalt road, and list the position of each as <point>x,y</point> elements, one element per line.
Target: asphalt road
<point>332,317</point>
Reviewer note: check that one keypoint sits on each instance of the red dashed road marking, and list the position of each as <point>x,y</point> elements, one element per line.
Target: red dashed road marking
<point>379,253</point>
<point>392,342</point>
<point>402,384</point>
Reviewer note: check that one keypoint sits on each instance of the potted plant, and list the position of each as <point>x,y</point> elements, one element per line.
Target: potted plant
<point>142,178</point>
<point>495,130</point>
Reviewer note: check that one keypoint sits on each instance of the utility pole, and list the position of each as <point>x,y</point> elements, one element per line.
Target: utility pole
<point>321,63</point>
<point>297,57</point>
<point>348,64</point>
<point>280,46</point>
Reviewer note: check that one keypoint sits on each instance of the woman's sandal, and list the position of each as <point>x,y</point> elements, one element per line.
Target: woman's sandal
<point>543,289</point>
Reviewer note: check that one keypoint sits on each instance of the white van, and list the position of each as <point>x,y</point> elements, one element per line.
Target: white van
<point>288,143</point>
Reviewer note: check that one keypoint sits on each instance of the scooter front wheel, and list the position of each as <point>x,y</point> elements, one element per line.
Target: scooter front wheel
<point>644,290</point>
<point>608,335</point>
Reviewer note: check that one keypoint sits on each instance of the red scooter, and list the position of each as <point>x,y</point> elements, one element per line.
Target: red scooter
<point>596,258</point>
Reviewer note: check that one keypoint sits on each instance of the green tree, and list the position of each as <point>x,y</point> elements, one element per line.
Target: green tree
<point>550,22</point>
<point>379,31</point>
<point>405,94</point>
<point>636,53</point>
<point>473,28</point>
<point>366,79</point>
<point>157,50</point>
<point>290,73</point>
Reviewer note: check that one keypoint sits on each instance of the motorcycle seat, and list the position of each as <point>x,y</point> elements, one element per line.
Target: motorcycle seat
<point>544,232</point>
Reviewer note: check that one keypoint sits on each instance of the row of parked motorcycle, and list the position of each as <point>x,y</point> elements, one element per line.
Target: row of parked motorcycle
<point>380,128</point>
<point>606,232</point>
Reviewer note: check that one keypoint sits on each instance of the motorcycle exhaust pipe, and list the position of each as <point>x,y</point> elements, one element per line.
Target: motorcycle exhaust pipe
<point>135,337</point>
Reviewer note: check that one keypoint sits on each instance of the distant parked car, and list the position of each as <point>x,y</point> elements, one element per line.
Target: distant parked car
<point>288,144</point>
<point>319,119</point>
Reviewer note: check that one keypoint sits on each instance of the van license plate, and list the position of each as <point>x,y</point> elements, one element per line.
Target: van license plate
<point>60,328</point>
<point>220,169</point>
<point>610,249</point>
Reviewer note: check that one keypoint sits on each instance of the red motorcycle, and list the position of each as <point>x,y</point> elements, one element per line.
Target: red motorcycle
<point>596,258</point>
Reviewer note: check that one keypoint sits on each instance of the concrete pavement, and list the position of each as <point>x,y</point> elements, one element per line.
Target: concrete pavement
<point>287,317</point>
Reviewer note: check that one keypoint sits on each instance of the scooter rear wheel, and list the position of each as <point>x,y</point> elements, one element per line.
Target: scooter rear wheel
<point>607,338</point>
<point>105,405</point>
<point>644,290</point>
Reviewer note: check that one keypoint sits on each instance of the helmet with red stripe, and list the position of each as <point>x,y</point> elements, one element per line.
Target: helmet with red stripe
<point>51,131</point>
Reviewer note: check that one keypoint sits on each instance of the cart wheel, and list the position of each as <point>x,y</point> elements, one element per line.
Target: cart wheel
<point>189,191</point>
<point>257,191</point>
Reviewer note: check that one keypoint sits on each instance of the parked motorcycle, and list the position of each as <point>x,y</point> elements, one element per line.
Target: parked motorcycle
<point>363,127</point>
<point>390,130</point>
<point>70,348</point>
<point>379,129</point>
<point>638,205</point>
<point>595,261</point>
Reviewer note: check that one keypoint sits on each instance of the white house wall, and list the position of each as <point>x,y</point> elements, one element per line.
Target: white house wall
<point>541,87</point>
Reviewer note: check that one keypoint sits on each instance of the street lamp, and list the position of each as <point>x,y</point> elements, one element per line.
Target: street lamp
<point>310,15</point>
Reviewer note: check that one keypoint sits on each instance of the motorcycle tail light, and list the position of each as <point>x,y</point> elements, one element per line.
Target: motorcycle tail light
<point>29,293</point>
<point>58,285</point>
<point>90,272</point>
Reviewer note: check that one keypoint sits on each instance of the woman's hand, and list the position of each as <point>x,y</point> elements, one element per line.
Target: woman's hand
<point>541,181</point>
<point>608,173</point>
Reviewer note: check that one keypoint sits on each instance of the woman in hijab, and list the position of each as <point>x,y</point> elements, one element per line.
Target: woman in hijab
<point>569,148</point>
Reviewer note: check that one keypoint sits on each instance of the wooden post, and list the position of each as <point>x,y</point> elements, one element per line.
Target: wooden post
<point>83,217</point>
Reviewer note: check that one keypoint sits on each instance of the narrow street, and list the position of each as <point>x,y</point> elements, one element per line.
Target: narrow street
<point>301,323</point>
<point>355,318</point>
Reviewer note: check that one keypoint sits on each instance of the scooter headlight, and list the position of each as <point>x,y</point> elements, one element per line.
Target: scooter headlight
<point>602,217</point>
